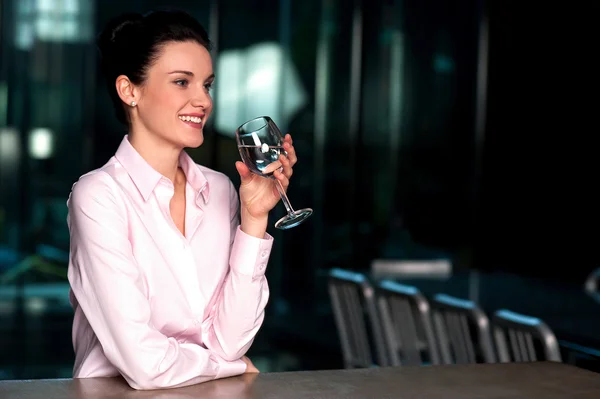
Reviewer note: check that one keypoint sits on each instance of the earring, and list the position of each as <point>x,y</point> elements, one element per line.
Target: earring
<point>133,103</point>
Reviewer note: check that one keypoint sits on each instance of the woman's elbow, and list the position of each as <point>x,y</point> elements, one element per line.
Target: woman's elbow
<point>146,375</point>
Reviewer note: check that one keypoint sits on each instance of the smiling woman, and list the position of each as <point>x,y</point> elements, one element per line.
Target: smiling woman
<point>155,72</point>
<point>167,265</point>
<point>182,93</point>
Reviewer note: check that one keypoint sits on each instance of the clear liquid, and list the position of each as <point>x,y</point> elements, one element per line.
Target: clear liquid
<point>261,160</point>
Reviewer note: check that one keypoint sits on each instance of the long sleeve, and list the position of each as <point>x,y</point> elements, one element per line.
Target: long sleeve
<point>108,286</point>
<point>240,309</point>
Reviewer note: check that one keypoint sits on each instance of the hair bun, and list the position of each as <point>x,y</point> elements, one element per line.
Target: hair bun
<point>118,32</point>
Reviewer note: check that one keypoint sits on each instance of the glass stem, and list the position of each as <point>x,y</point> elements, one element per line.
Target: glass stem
<point>284,198</point>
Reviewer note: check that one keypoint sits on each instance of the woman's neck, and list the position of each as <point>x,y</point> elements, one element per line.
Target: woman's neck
<point>163,157</point>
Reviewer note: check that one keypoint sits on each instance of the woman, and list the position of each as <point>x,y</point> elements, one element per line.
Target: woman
<point>167,284</point>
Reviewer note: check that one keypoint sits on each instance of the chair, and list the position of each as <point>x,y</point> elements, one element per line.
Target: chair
<point>354,308</point>
<point>406,318</point>
<point>523,333</point>
<point>463,331</point>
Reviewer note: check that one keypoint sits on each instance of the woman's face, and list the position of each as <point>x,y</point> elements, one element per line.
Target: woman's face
<point>174,102</point>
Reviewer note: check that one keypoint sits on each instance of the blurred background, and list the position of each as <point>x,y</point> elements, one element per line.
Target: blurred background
<point>437,132</point>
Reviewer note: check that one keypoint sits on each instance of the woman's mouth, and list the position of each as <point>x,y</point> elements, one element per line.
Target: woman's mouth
<point>194,121</point>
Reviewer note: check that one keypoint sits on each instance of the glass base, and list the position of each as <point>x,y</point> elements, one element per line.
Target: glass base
<point>293,220</point>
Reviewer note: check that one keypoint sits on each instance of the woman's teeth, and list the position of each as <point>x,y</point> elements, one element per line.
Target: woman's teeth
<point>194,119</point>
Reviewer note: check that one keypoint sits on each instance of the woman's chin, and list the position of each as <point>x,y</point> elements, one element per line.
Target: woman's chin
<point>194,142</point>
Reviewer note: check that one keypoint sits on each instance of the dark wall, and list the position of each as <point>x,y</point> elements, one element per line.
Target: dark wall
<point>539,202</point>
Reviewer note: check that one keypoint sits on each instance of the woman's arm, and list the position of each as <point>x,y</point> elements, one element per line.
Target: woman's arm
<point>239,312</point>
<point>108,286</point>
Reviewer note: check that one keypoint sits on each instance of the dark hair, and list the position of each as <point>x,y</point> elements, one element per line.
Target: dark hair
<point>131,43</point>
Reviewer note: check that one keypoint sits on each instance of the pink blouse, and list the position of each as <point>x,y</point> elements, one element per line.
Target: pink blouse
<point>159,308</point>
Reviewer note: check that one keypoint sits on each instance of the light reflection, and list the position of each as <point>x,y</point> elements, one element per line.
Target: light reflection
<point>249,85</point>
<point>41,143</point>
<point>9,148</point>
<point>53,21</point>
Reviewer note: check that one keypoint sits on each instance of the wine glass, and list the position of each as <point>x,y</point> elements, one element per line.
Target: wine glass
<point>260,144</point>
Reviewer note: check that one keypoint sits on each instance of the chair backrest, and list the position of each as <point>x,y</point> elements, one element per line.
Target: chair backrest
<point>406,318</point>
<point>523,333</point>
<point>394,269</point>
<point>356,318</point>
<point>462,331</point>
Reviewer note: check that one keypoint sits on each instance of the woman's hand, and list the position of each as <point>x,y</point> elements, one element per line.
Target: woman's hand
<point>250,368</point>
<point>258,195</point>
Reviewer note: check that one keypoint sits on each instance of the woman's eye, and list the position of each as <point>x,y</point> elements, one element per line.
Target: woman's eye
<point>181,82</point>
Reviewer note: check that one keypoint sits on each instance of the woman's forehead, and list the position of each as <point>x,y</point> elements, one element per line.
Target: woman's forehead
<point>188,56</point>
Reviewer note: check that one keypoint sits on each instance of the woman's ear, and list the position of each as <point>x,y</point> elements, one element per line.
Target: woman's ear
<point>126,90</point>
